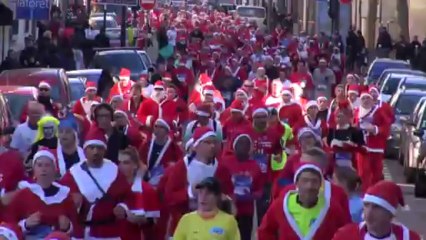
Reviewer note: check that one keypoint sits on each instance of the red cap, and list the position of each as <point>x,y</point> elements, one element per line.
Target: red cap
<point>386,194</point>
<point>159,85</point>
<point>201,133</point>
<point>205,79</point>
<point>95,137</point>
<point>353,88</point>
<point>11,231</point>
<point>91,86</point>
<point>167,76</point>
<point>373,87</point>
<point>124,72</point>
<point>237,106</point>
<point>365,92</point>
<point>204,110</point>
<point>209,89</point>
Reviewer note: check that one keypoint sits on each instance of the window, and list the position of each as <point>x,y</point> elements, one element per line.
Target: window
<point>415,85</point>
<point>251,12</point>
<point>114,62</point>
<point>391,85</point>
<point>406,103</point>
<point>77,90</point>
<point>379,67</point>
<point>18,101</point>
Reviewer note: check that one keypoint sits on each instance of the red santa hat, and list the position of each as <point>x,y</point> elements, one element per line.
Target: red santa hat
<point>57,236</point>
<point>307,166</point>
<point>353,89</point>
<point>237,106</point>
<point>44,152</point>
<point>208,90</point>
<point>159,85</point>
<point>386,194</point>
<point>365,93</point>
<point>202,133</point>
<point>125,73</point>
<point>165,123</point>
<point>321,98</point>
<point>322,60</point>
<point>311,104</point>
<point>287,91</point>
<point>189,144</point>
<point>242,91</point>
<point>238,137</point>
<point>91,86</point>
<point>44,84</point>
<point>260,110</point>
<point>203,110</point>
<point>95,137</point>
<point>205,79</point>
<point>373,87</point>
<point>11,231</point>
<point>167,76</point>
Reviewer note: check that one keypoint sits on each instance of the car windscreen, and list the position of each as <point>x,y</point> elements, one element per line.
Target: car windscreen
<point>77,90</point>
<point>391,85</point>
<point>406,104</point>
<point>114,62</point>
<point>416,85</point>
<point>379,67</point>
<point>251,12</point>
<point>17,103</point>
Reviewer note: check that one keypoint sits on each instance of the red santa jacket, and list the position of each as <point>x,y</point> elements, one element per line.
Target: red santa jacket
<point>113,183</point>
<point>146,204</point>
<point>150,110</point>
<point>375,142</point>
<point>136,138</point>
<point>290,113</point>
<point>31,199</point>
<point>354,231</point>
<point>278,220</point>
<point>83,105</point>
<point>388,110</point>
<point>167,157</point>
<point>121,88</point>
<point>176,189</point>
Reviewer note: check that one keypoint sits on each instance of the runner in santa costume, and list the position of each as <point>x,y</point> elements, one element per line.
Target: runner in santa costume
<point>204,118</point>
<point>353,95</point>
<point>181,194</point>
<point>82,106</point>
<point>209,95</point>
<point>311,120</point>
<point>384,106</point>
<point>185,76</point>
<point>241,95</point>
<point>289,111</point>
<point>142,215</point>
<point>340,93</point>
<point>158,106</point>
<point>380,206</point>
<point>376,127</point>
<point>99,189</point>
<point>303,213</point>
<point>42,206</point>
<point>10,231</point>
<point>274,99</point>
<point>123,86</point>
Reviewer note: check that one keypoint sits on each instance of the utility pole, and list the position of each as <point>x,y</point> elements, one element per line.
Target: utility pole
<point>270,17</point>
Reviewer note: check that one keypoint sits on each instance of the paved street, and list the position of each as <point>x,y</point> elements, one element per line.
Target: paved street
<point>415,214</point>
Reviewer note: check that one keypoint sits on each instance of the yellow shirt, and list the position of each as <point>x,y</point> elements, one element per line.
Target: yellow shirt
<point>304,217</point>
<point>192,226</point>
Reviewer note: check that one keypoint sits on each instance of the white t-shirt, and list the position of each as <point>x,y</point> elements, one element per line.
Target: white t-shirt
<point>23,137</point>
<point>171,35</point>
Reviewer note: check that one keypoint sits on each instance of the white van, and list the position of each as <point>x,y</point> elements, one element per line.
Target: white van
<point>252,13</point>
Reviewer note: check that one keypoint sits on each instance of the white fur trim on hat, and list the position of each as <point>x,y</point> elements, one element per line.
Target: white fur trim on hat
<point>210,92</point>
<point>164,123</point>
<point>379,201</point>
<point>91,88</point>
<point>94,142</point>
<point>158,87</point>
<point>44,153</point>
<point>44,84</point>
<point>304,167</point>
<point>353,91</point>
<point>286,92</point>
<point>243,92</point>
<point>237,110</point>
<point>234,143</point>
<point>311,104</point>
<point>321,98</point>
<point>189,144</point>
<point>8,233</point>
<point>365,94</point>
<point>259,111</point>
<point>203,137</point>
<point>202,113</point>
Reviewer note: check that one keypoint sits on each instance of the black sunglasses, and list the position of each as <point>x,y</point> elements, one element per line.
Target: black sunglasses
<point>44,89</point>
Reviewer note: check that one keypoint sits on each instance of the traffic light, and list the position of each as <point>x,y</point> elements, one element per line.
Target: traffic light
<point>333,9</point>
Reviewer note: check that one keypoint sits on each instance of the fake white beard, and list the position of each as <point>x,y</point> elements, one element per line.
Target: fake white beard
<point>158,96</point>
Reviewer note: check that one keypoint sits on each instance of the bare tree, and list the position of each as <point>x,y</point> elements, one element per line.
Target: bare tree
<point>402,18</point>
<point>371,23</point>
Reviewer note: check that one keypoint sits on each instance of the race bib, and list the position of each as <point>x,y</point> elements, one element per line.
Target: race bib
<point>262,161</point>
<point>242,185</point>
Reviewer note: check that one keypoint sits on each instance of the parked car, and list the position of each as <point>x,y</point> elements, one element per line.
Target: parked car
<point>403,103</point>
<point>33,76</point>
<point>413,135</point>
<point>101,77</point>
<point>390,85</point>
<point>5,115</point>
<point>113,60</point>
<point>77,89</point>
<point>18,97</point>
<point>386,73</point>
<point>381,64</point>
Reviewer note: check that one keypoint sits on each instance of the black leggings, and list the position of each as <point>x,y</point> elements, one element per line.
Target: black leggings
<point>245,224</point>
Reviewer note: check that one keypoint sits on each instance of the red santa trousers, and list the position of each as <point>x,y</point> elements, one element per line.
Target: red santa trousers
<point>370,168</point>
